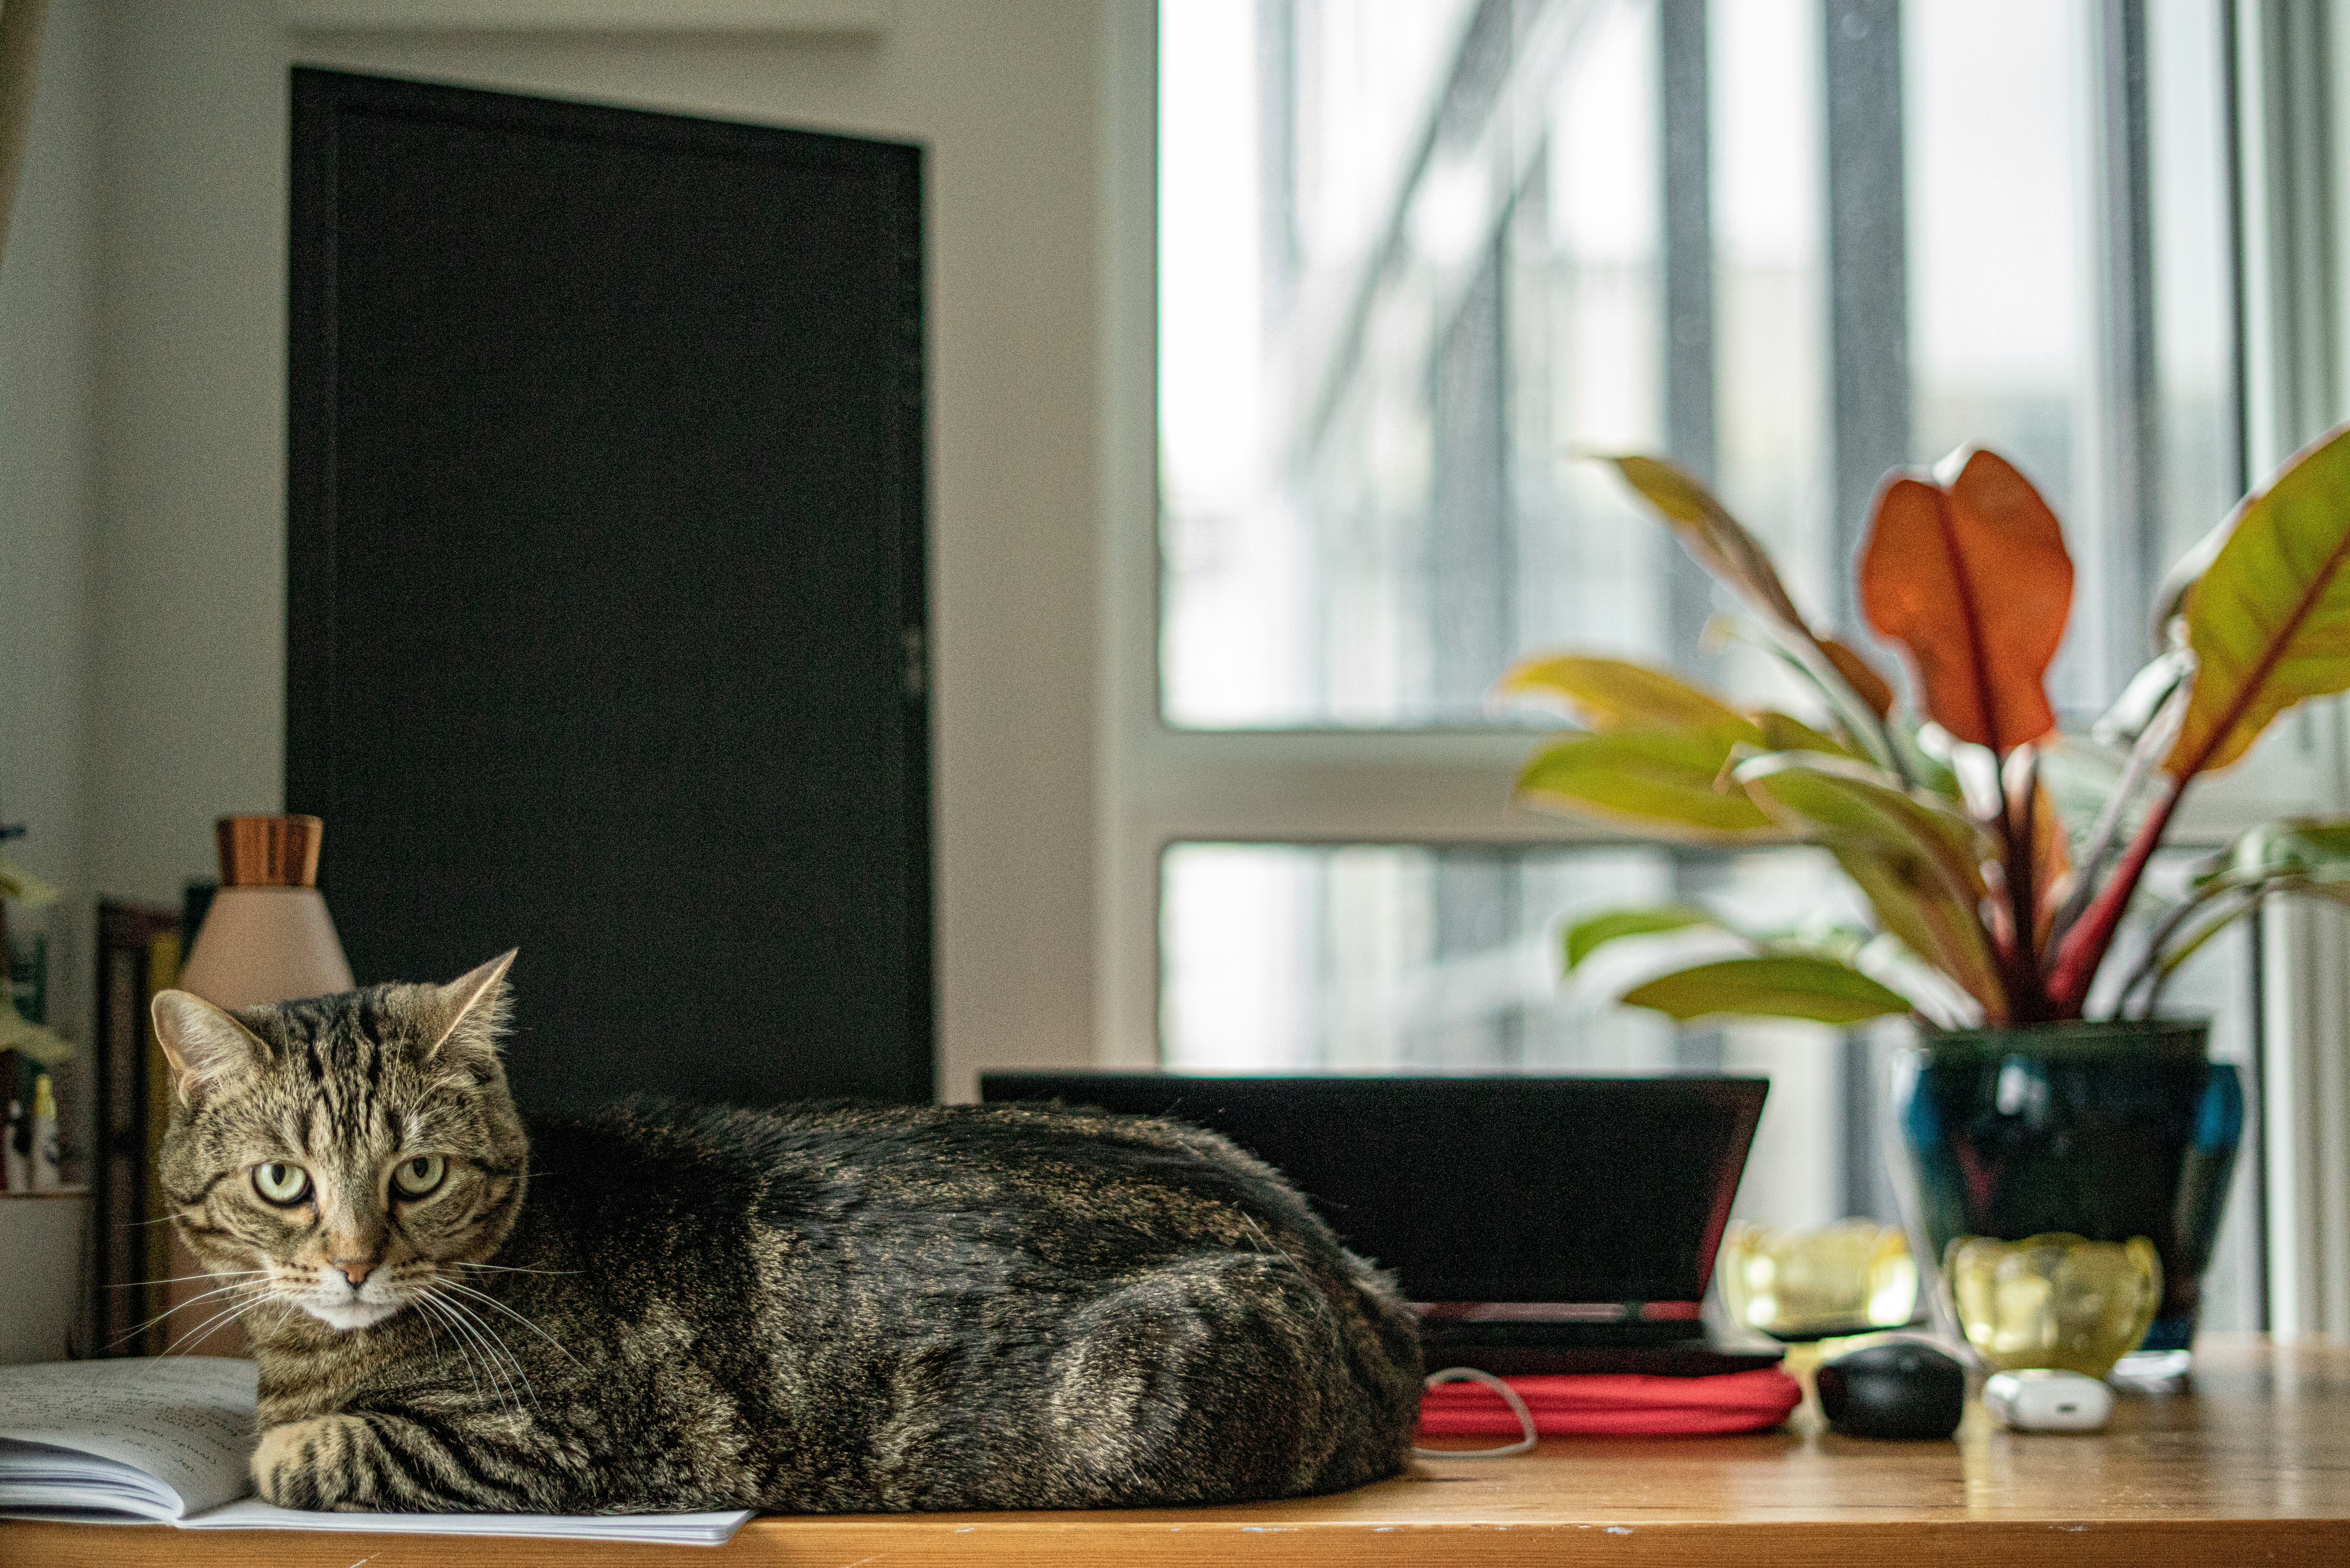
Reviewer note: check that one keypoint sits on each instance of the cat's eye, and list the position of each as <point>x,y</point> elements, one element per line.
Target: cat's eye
<point>282,1184</point>
<point>416,1177</point>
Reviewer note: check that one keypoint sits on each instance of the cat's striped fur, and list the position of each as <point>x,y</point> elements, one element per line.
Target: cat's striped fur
<point>833,1309</point>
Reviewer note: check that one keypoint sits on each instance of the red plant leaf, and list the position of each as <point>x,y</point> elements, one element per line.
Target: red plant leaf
<point>1975,583</point>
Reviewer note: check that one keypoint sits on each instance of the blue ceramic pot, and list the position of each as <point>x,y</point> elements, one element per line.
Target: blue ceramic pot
<point>2109,1130</point>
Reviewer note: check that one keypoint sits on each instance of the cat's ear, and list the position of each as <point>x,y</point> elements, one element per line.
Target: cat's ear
<point>203,1043</point>
<point>473,1008</point>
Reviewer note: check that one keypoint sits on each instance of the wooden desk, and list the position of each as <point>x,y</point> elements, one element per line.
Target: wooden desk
<point>2253,1466</point>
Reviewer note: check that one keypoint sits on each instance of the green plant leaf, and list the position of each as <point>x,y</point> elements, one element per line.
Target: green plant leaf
<point>1928,771</point>
<point>1736,559</point>
<point>1775,985</point>
<point>1782,733</point>
<point>1837,801</point>
<point>2298,849</point>
<point>30,1039</point>
<point>1667,781</point>
<point>21,885</point>
<point>2120,725</point>
<point>2269,620</point>
<point>1612,694</point>
<point>1918,863</point>
<point>1595,932</point>
<point>1858,729</point>
<point>1912,903</point>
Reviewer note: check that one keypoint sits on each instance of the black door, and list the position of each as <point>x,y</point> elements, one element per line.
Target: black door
<point>605,592</point>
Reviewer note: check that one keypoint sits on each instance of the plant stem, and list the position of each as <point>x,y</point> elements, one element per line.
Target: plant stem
<point>1892,746</point>
<point>2169,967</point>
<point>2026,999</point>
<point>2084,945</point>
<point>2169,928</point>
<point>2152,742</point>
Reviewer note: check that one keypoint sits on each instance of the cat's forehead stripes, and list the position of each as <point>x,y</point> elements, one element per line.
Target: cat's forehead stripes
<point>356,1077</point>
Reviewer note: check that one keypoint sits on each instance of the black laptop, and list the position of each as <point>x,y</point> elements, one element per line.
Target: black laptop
<point>1536,1224</point>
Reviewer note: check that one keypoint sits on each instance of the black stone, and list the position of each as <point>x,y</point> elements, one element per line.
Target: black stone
<point>1904,1391</point>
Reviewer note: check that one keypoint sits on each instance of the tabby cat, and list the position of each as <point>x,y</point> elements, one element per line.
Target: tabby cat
<point>656,1308</point>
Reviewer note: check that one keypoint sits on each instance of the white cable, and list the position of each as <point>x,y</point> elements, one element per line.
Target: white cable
<point>1517,1407</point>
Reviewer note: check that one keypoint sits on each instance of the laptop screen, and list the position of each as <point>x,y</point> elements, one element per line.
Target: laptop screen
<point>1570,1190</point>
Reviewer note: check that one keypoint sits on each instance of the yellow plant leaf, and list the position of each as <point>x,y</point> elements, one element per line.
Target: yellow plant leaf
<point>1612,694</point>
<point>1774,985</point>
<point>2269,621</point>
<point>1667,781</point>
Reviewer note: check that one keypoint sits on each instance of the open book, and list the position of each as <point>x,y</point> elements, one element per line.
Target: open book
<point>169,1440</point>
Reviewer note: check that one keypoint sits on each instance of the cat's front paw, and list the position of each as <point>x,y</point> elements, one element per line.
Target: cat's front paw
<point>319,1465</point>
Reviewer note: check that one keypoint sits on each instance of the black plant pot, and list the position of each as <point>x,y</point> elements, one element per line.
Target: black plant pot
<point>2109,1130</point>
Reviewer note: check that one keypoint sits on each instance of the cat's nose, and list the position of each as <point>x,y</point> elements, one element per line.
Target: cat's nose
<point>353,1271</point>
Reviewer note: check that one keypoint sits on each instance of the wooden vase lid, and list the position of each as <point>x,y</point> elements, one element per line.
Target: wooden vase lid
<point>269,851</point>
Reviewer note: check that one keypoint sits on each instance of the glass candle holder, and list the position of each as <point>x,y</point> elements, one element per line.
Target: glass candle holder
<point>1852,1277</point>
<point>2053,1301</point>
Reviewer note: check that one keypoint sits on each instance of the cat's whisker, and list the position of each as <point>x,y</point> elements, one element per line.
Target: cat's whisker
<point>479,1370</point>
<point>228,1315</point>
<point>433,1333</point>
<point>465,1357</point>
<point>1251,1221</point>
<point>485,1296</point>
<point>494,1358</point>
<point>497,1343</point>
<point>499,1347</point>
<point>179,1306</point>
<point>508,1268</point>
<point>179,1279</point>
<point>476,1352</point>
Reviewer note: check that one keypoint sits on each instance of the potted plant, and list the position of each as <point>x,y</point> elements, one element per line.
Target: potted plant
<point>1997,856</point>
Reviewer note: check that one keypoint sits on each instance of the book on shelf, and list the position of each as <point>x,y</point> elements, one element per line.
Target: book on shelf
<point>170,1441</point>
<point>138,955</point>
<point>28,975</point>
<point>17,1129</point>
<point>24,976</point>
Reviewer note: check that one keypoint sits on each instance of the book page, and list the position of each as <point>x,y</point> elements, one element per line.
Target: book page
<point>187,1421</point>
<point>170,1439</point>
<point>671,1529</point>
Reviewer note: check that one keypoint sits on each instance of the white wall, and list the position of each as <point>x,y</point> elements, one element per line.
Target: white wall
<point>46,521</point>
<point>186,673</point>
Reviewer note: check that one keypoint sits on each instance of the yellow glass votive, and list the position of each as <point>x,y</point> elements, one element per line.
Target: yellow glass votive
<point>2053,1301</point>
<point>1850,1277</point>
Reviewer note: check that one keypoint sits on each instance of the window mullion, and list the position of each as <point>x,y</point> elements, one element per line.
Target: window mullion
<point>2131,409</point>
<point>1689,323</point>
<point>1869,300</point>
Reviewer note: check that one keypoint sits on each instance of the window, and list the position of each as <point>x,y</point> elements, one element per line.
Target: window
<point>1409,268</point>
<point>1413,260</point>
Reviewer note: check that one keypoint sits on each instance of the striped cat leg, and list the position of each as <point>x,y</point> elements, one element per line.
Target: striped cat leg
<point>380,1462</point>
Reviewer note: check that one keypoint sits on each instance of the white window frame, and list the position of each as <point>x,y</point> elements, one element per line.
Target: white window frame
<point>2292,85</point>
<point>1157,784</point>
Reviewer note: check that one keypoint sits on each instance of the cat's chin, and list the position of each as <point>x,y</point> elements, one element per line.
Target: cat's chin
<point>348,1315</point>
